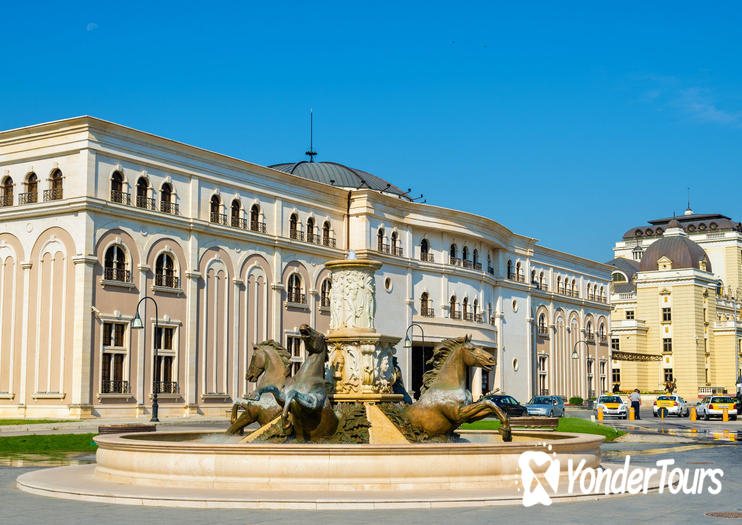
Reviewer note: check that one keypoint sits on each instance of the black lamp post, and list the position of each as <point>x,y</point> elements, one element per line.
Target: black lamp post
<point>576,355</point>
<point>137,323</point>
<point>408,346</point>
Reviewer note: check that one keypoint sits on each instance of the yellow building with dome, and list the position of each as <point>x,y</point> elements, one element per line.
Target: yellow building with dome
<point>675,297</point>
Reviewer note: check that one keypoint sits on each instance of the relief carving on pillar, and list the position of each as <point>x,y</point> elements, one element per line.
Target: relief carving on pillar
<point>353,299</point>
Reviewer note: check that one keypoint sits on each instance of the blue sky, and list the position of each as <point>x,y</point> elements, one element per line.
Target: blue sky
<point>568,122</point>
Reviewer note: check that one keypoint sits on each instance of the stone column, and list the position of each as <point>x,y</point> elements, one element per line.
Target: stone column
<point>190,387</point>
<point>80,396</point>
<point>236,318</point>
<point>26,267</point>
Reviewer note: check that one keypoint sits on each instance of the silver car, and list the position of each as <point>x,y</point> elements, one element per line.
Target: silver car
<point>549,406</point>
<point>714,406</point>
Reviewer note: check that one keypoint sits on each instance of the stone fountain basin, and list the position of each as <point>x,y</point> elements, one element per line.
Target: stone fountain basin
<point>193,460</point>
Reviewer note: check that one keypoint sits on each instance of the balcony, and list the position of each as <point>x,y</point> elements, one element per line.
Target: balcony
<point>519,278</point>
<point>257,226</point>
<point>238,222</point>
<point>490,270</point>
<point>478,266</point>
<point>165,387</point>
<point>169,207</point>
<point>146,203</point>
<point>383,248</point>
<point>167,281</point>
<point>590,337</point>
<point>6,199</point>
<point>218,218</point>
<point>397,251</point>
<point>478,318</point>
<point>114,386</point>
<point>120,197</point>
<point>426,311</point>
<point>542,331</point>
<point>29,197</point>
<point>468,316</point>
<point>296,235</point>
<point>455,315</point>
<point>296,297</point>
<point>324,301</point>
<point>111,273</point>
<point>466,263</point>
<point>427,257</point>
<point>454,261</point>
<point>541,286</point>
<point>329,241</point>
<point>53,194</point>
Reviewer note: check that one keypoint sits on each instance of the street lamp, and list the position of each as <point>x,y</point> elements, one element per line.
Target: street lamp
<point>137,324</point>
<point>576,355</point>
<point>408,346</point>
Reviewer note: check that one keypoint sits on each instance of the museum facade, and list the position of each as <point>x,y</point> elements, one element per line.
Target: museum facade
<point>95,216</point>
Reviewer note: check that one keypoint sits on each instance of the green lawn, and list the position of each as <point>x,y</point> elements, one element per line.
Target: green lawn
<point>35,421</point>
<point>42,444</point>
<point>566,424</point>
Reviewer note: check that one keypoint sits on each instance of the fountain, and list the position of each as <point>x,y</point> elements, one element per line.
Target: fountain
<point>336,435</point>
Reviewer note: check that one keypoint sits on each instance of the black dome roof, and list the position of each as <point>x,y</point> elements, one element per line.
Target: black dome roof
<point>340,175</point>
<point>683,253</point>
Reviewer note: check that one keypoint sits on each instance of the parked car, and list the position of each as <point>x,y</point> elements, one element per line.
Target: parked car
<point>612,406</point>
<point>713,406</point>
<point>675,406</point>
<point>508,404</point>
<point>550,406</point>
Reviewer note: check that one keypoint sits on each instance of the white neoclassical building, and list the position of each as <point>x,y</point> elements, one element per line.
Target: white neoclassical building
<point>94,216</point>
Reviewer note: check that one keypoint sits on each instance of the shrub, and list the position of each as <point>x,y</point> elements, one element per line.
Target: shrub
<point>575,400</point>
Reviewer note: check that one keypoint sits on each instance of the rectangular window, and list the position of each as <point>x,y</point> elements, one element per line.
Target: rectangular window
<point>668,374</point>
<point>616,376</point>
<point>629,315</point>
<point>667,345</point>
<point>615,343</point>
<point>666,315</point>
<point>294,346</point>
<point>112,359</point>
<point>164,366</point>
<point>164,338</point>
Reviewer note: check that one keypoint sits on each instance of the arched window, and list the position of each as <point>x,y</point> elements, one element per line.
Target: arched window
<point>234,216</point>
<point>490,268</point>
<point>533,277</point>
<point>542,324</point>
<point>453,255</point>
<point>327,239</point>
<point>465,309</point>
<point>325,293</point>
<point>510,270</point>
<point>294,227</point>
<point>295,290</point>
<point>453,314</point>
<point>601,332</point>
<point>574,288</point>
<point>601,297</point>
<point>541,281</point>
<point>490,317</point>
<point>310,230</point>
<point>6,199</point>
<point>475,311</point>
<point>519,272</point>
<point>425,254</point>
<point>475,260</point>
<point>425,306</point>
<point>380,241</point>
<point>54,193</point>
<point>215,208</point>
<point>114,265</point>
<point>396,246</point>
<point>31,194</point>
<point>117,189</point>
<point>465,254</point>
<point>142,193</point>
<point>165,271</point>
<point>559,284</point>
<point>166,200</point>
<point>589,330</point>
<point>255,224</point>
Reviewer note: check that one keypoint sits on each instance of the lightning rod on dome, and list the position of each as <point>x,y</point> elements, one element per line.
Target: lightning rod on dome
<point>311,153</point>
<point>688,210</point>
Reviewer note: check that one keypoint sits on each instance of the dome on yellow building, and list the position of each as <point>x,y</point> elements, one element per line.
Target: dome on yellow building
<point>678,248</point>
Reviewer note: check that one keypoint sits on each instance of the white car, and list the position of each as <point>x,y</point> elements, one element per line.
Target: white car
<point>612,405</point>
<point>672,404</point>
<point>713,406</point>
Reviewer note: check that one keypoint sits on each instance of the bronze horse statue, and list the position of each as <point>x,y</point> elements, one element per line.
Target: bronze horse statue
<point>445,402</point>
<point>269,366</point>
<point>671,386</point>
<point>304,397</point>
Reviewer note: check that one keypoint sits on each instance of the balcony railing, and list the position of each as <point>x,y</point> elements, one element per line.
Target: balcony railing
<point>492,320</point>
<point>6,199</point>
<point>426,311</point>
<point>590,337</point>
<point>114,386</point>
<point>53,194</point>
<point>238,222</point>
<point>165,387</point>
<point>454,261</point>
<point>218,218</point>
<point>257,226</point>
<point>324,301</point>
<point>427,257</point>
<point>468,264</point>
<point>329,241</point>
<point>167,281</point>
<point>383,248</point>
<point>28,197</point>
<point>490,270</point>
<point>542,331</point>
<point>397,251</point>
<point>478,318</point>
<point>296,297</point>
<point>146,203</point>
<point>296,235</point>
<point>169,207</point>
<point>541,286</point>
<point>602,339</point>
<point>468,316</point>
<point>121,197</point>
<point>111,273</point>
<point>478,266</point>
<point>455,315</point>
<point>520,278</point>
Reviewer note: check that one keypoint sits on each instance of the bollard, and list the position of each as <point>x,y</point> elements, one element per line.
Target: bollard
<point>662,414</point>
<point>632,416</point>
<point>600,414</point>
<point>692,414</point>
<point>725,415</point>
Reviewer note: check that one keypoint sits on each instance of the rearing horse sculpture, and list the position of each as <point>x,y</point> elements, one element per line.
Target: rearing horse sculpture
<point>446,402</point>
<point>269,366</point>
<point>305,397</point>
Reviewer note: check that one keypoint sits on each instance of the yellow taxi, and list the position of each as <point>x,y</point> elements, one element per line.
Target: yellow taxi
<point>714,406</point>
<point>611,405</point>
<point>672,405</point>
